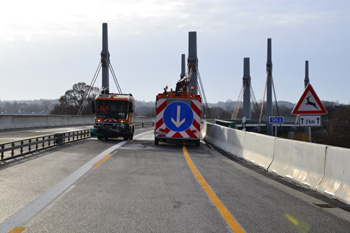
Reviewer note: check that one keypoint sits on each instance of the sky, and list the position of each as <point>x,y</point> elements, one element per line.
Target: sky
<point>48,46</point>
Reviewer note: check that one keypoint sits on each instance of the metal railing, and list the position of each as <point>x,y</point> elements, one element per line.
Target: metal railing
<point>144,124</point>
<point>11,150</point>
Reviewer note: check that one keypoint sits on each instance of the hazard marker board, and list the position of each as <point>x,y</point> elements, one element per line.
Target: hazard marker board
<point>179,119</point>
<point>309,103</point>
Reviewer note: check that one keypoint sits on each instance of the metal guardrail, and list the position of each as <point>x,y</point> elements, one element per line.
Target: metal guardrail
<point>144,124</point>
<point>11,150</point>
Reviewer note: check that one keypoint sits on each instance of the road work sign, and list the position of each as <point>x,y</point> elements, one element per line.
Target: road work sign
<point>309,103</point>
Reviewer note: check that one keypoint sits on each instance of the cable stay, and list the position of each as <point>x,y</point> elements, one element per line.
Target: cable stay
<point>84,103</point>
<point>263,99</point>
<point>255,103</point>
<point>201,89</point>
<point>87,95</point>
<point>239,101</point>
<point>274,93</point>
<point>115,78</point>
<point>187,79</point>
<point>238,104</point>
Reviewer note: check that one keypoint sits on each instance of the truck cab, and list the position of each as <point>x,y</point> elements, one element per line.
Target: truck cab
<point>114,116</point>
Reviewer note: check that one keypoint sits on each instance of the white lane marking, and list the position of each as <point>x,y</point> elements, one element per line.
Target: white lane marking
<point>33,208</point>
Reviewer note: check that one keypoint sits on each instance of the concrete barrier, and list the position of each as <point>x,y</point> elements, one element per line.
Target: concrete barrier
<point>54,121</point>
<point>203,132</point>
<point>259,149</point>
<point>10,122</point>
<point>336,181</point>
<point>319,167</point>
<point>39,122</point>
<point>142,119</point>
<point>216,135</point>
<point>6,122</point>
<point>235,142</point>
<point>226,139</point>
<point>22,122</point>
<point>301,162</point>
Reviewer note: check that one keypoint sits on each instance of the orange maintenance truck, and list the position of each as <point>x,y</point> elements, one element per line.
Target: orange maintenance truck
<point>114,116</point>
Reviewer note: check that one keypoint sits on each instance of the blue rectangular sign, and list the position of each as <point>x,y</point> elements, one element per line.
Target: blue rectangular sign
<point>276,119</point>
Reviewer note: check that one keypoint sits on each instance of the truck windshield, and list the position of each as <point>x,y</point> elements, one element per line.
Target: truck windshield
<point>112,109</point>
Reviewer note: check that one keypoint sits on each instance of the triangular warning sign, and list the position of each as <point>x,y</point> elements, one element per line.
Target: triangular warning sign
<point>309,103</point>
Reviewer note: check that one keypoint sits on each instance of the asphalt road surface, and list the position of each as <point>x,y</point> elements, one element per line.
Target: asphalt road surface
<point>135,186</point>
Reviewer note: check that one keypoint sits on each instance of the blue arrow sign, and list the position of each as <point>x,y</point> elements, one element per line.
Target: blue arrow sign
<point>276,119</point>
<point>178,116</point>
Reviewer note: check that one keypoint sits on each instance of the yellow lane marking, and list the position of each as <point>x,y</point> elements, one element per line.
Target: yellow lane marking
<point>301,226</point>
<point>102,160</point>
<point>230,220</point>
<point>131,141</point>
<point>17,230</point>
<point>292,219</point>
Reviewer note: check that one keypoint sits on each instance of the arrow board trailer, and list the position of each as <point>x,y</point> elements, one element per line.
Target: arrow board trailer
<point>178,117</point>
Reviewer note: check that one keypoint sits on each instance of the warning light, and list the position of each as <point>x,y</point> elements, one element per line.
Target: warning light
<point>192,88</point>
<point>166,87</point>
<point>111,96</point>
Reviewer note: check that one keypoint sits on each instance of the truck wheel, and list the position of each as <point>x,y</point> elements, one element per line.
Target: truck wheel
<point>131,137</point>
<point>99,137</point>
<point>156,141</point>
<point>126,138</point>
<point>198,143</point>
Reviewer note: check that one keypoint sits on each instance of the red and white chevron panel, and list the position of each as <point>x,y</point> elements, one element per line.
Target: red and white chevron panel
<point>110,120</point>
<point>162,131</point>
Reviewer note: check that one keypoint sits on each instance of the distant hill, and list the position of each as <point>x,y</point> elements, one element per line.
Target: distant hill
<point>286,104</point>
<point>229,104</point>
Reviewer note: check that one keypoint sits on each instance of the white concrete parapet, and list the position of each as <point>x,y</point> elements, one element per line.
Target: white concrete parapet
<point>319,167</point>
<point>336,181</point>
<point>11,122</point>
<point>301,162</point>
<point>259,149</point>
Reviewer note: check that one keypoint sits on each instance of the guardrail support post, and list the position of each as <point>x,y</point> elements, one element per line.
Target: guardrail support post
<point>2,152</point>
<point>58,138</point>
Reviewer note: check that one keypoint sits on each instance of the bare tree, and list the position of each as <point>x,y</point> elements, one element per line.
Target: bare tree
<point>71,101</point>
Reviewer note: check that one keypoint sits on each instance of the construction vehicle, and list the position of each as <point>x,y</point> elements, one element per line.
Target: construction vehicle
<point>114,116</point>
<point>114,111</point>
<point>178,113</point>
